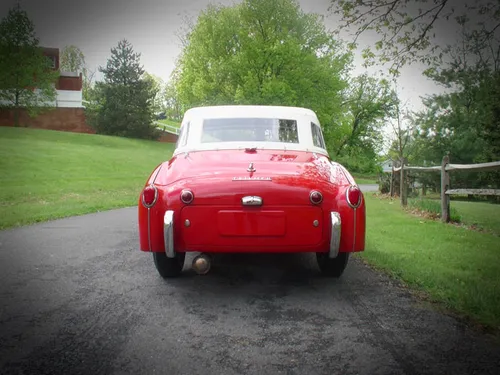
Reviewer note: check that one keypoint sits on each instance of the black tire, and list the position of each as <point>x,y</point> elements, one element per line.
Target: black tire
<point>332,267</point>
<point>169,267</point>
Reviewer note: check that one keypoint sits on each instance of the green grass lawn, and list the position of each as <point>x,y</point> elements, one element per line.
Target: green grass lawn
<point>363,179</point>
<point>481,214</point>
<point>48,174</point>
<point>170,122</point>
<point>453,265</point>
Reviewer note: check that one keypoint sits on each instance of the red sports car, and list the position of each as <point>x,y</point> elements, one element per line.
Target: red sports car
<point>250,179</point>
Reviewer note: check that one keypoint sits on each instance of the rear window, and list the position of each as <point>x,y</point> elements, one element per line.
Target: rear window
<point>249,130</point>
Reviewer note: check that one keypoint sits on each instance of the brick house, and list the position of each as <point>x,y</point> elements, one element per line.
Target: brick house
<point>68,113</point>
<point>68,86</point>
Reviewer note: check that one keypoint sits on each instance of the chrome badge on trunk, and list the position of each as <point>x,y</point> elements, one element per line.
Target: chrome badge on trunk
<point>252,179</point>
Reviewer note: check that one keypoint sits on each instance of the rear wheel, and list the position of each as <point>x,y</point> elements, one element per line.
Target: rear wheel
<point>332,267</point>
<point>169,267</point>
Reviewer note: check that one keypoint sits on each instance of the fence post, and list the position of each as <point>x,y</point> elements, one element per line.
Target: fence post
<point>392,180</point>
<point>402,185</point>
<point>445,184</point>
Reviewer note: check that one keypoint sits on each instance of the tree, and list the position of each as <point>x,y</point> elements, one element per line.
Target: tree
<point>158,86</point>
<point>124,101</point>
<point>406,28</point>
<point>403,132</point>
<point>173,106</point>
<point>469,112</point>
<point>72,59</point>
<point>264,52</point>
<point>26,78</point>
<point>464,122</point>
<point>369,103</point>
<point>88,85</point>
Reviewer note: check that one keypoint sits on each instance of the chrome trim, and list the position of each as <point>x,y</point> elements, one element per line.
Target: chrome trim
<point>251,168</point>
<point>347,197</point>
<point>154,200</point>
<point>252,179</point>
<point>335,234</point>
<point>251,200</point>
<point>354,237</point>
<point>168,233</point>
<point>149,229</point>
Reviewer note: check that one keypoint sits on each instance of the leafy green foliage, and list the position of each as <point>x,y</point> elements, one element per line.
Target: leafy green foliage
<point>263,52</point>
<point>124,102</point>
<point>173,109</point>
<point>369,103</point>
<point>72,59</point>
<point>406,28</point>
<point>158,87</point>
<point>466,120</point>
<point>26,78</point>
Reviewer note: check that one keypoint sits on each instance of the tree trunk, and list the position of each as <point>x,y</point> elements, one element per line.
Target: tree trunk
<point>16,111</point>
<point>16,116</point>
<point>392,181</point>
<point>402,185</point>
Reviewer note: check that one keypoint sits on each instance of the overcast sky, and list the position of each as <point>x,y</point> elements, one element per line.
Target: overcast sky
<point>152,27</point>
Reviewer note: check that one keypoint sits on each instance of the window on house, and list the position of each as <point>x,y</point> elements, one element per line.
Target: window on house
<point>52,61</point>
<point>317,135</point>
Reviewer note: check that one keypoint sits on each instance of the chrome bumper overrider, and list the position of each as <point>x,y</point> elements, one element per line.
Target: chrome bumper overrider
<point>168,233</point>
<point>335,235</point>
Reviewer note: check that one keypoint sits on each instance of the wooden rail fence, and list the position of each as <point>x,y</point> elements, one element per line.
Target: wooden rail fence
<point>444,169</point>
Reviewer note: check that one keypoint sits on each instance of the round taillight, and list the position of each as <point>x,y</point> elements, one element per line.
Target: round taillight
<point>353,196</point>
<point>316,197</point>
<point>149,196</point>
<point>187,196</point>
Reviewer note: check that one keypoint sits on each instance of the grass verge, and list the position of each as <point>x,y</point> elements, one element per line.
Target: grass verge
<point>363,179</point>
<point>480,215</point>
<point>454,266</point>
<point>476,215</point>
<point>433,208</point>
<point>170,122</point>
<point>48,174</point>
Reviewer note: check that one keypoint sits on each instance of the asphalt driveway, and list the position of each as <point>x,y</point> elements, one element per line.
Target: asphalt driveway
<point>78,297</point>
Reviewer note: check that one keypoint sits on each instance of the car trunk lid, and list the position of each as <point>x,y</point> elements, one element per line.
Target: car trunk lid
<point>226,177</point>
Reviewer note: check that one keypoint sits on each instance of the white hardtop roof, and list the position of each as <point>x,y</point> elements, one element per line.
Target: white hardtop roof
<point>249,111</point>
<point>189,138</point>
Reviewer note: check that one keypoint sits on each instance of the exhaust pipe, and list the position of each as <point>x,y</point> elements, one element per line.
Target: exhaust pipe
<point>201,264</point>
